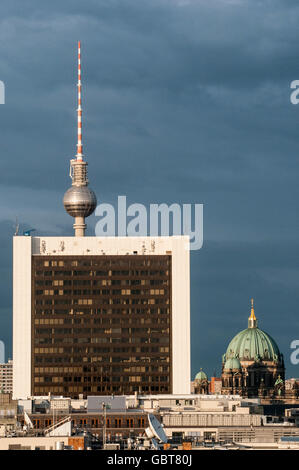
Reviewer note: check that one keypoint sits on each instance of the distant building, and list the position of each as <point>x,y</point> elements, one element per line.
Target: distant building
<point>203,386</point>
<point>60,405</point>
<point>8,413</point>
<point>253,365</point>
<point>200,385</point>
<point>6,377</point>
<point>2,352</point>
<point>215,385</point>
<point>196,418</point>
<point>291,384</point>
<point>291,389</point>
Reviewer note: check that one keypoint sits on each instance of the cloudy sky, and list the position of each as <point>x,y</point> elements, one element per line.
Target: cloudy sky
<point>184,101</point>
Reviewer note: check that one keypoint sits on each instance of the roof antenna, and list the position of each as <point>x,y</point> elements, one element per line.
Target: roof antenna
<point>17,227</point>
<point>79,109</point>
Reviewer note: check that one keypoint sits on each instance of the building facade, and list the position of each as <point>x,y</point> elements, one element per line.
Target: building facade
<point>99,315</point>
<point>6,377</point>
<point>200,384</point>
<point>215,385</point>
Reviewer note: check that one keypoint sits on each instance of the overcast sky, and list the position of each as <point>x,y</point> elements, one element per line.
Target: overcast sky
<point>184,101</point>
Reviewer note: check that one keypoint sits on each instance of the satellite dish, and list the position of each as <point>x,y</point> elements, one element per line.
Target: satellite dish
<point>155,429</point>
<point>28,232</point>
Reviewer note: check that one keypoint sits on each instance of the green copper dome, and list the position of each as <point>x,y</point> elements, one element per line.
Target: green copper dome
<point>255,344</point>
<point>232,363</point>
<point>252,344</point>
<point>201,376</point>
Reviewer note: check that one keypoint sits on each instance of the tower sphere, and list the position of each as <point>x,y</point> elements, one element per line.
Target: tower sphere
<point>79,201</point>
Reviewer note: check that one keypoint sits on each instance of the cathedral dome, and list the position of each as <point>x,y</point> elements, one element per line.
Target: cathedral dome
<point>232,363</point>
<point>201,375</point>
<point>253,344</point>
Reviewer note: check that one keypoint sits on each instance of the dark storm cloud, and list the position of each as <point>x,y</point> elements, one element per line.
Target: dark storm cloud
<point>235,272</point>
<point>183,101</point>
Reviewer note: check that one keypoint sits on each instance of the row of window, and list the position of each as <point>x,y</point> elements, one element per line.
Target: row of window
<point>109,301</point>
<point>114,312</point>
<point>101,292</point>
<point>84,340</point>
<point>107,359</point>
<point>124,331</point>
<point>101,321</point>
<point>110,379</point>
<point>104,389</point>
<point>101,282</point>
<point>90,350</point>
<point>95,422</point>
<point>100,369</point>
<point>101,262</point>
<point>131,273</point>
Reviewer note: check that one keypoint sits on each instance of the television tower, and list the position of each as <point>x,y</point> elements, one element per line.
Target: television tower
<point>79,200</point>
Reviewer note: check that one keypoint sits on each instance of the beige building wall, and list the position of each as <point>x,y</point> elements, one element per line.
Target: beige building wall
<point>47,443</point>
<point>22,317</point>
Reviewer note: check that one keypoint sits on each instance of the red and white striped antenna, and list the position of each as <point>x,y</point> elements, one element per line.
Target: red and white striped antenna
<point>79,110</point>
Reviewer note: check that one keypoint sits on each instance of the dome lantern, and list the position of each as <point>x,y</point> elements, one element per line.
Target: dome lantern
<point>252,321</point>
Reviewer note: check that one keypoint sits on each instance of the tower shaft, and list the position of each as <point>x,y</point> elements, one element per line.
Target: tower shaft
<point>79,201</point>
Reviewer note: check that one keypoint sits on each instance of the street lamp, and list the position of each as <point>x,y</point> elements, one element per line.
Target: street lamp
<point>104,427</point>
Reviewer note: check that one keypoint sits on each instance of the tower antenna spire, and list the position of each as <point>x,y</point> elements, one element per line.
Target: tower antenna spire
<point>79,154</point>
<point>79,200</point>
